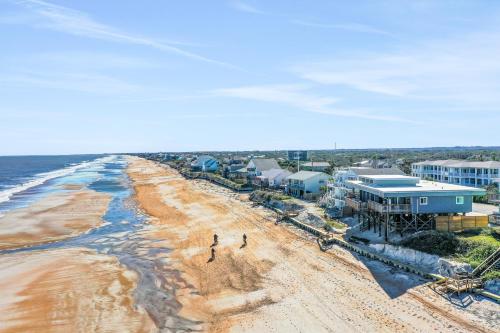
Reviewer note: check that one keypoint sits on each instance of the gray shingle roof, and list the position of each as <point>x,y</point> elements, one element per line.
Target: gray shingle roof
<point>262,164</point>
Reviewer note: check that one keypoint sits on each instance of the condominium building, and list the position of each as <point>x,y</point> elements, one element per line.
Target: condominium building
<point>478,174</point>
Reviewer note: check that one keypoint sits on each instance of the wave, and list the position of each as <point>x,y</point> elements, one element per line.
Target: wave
<point>41,178</point>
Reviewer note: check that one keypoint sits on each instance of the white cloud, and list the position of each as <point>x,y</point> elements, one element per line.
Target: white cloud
<point>297,96</point>
<point>355,27</point>
<point>75,22</point>
<point>244,7</point>
<point>463,69</point>
<point>81,82</point>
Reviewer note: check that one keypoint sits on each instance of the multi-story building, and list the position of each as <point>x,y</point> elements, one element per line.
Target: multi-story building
<point>469,173</point>
<point>301,155</point>
<point>403,203</point>
<point>306,184</point>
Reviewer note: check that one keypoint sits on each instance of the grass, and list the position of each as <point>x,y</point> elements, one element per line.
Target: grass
<point>335,224</point>
<point>472,246</point>
<point>267,196</point>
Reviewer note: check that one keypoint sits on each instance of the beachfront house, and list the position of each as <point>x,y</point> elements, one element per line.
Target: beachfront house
<point>205,163</point>
<point>274,178</point>
<point>334,198</point>
<point>256,166</point>
<point>306,184</point>
<point>469,173</point>
<point>404,203</point>
<point>315,166</point>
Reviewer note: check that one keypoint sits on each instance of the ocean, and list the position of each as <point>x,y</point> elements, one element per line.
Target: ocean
<point>25,178</point>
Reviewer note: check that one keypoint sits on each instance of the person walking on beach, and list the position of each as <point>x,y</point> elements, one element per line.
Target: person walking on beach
<point>244,240</point>
<point>216,240</point>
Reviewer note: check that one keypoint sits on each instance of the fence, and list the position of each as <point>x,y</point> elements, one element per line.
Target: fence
<point>459,223</point>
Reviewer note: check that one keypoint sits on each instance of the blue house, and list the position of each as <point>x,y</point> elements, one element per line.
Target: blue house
<point>402,203</point>
<point>205,163</point>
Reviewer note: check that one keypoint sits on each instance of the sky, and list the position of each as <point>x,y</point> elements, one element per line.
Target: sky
<point>130,76</point>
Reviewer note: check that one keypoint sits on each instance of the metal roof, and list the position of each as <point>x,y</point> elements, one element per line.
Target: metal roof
<point>303,175</point>
<point>462,164</point>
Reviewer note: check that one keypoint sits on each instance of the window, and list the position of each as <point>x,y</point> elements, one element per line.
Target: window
<point>423,201</point>
<point>460,200</point>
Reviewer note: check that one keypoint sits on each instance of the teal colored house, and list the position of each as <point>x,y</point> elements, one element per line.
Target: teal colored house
<point>407,203</point>
<point>205,163</point>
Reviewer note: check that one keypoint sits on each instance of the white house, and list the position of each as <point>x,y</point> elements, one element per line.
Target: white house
<point>273,177</point>
<point>306,184</point>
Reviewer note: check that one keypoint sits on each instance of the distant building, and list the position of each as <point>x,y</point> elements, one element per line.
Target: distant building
<point>205,163</point>
<point>256,166</point>
<point>315,166</point>
<point>272,178</point>
<point>306,184</point>
<point>301,155</point>
<point>470,173</point>
<point>403,203</point>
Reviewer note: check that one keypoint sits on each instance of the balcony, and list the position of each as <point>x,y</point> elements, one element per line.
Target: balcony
<point>393,208</point>
<point>355,204</point>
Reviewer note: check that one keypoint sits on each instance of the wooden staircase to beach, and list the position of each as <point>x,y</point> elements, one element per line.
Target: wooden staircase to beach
<point>493,261</point>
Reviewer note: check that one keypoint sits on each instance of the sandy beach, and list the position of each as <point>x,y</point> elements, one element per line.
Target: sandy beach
<point>159,276</point>
<point>280,281</point>
<point>68,290</point>
<point>55,217</point>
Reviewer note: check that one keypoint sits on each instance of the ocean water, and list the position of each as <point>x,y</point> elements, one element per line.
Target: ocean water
<point>25,178</point>
<point>104,174</point>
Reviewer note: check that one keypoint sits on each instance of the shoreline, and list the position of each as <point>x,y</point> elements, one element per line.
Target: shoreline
<point>280,281</point>
<point>56,217</point>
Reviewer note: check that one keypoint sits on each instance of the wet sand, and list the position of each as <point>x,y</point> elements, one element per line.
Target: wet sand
<point>55,217</point>
<point>280,281</point>
<point>68,290</point>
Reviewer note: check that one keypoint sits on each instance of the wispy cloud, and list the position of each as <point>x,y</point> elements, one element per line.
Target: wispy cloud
<point>355,27</point>
<point>299,97</point>
<point>462,69</point>
<point>81,82</point>
<point>78,23</point>
<point>245,7</point>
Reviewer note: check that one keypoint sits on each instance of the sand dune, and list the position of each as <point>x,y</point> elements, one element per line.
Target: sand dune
<point>280,282</point>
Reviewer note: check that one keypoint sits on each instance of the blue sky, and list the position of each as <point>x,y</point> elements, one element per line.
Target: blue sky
<point>123,76</point>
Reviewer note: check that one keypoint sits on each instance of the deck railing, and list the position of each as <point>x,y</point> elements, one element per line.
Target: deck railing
<point>392,208</point>
<point>355,204</point>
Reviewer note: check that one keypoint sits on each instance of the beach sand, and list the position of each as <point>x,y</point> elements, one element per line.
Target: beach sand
<point>57,216</point>
<point>280,282</point>
<point>68,290</point>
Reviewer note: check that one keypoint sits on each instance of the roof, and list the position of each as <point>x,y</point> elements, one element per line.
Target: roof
<point>262,164</point>
<point>303,175</point>
<point>462,164</point>
<point>360,171</point>
<point>390,177</point>
<point>423,186</point>
<point>203,159</point>
<point>316,164</point>
<point>273,173</point>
